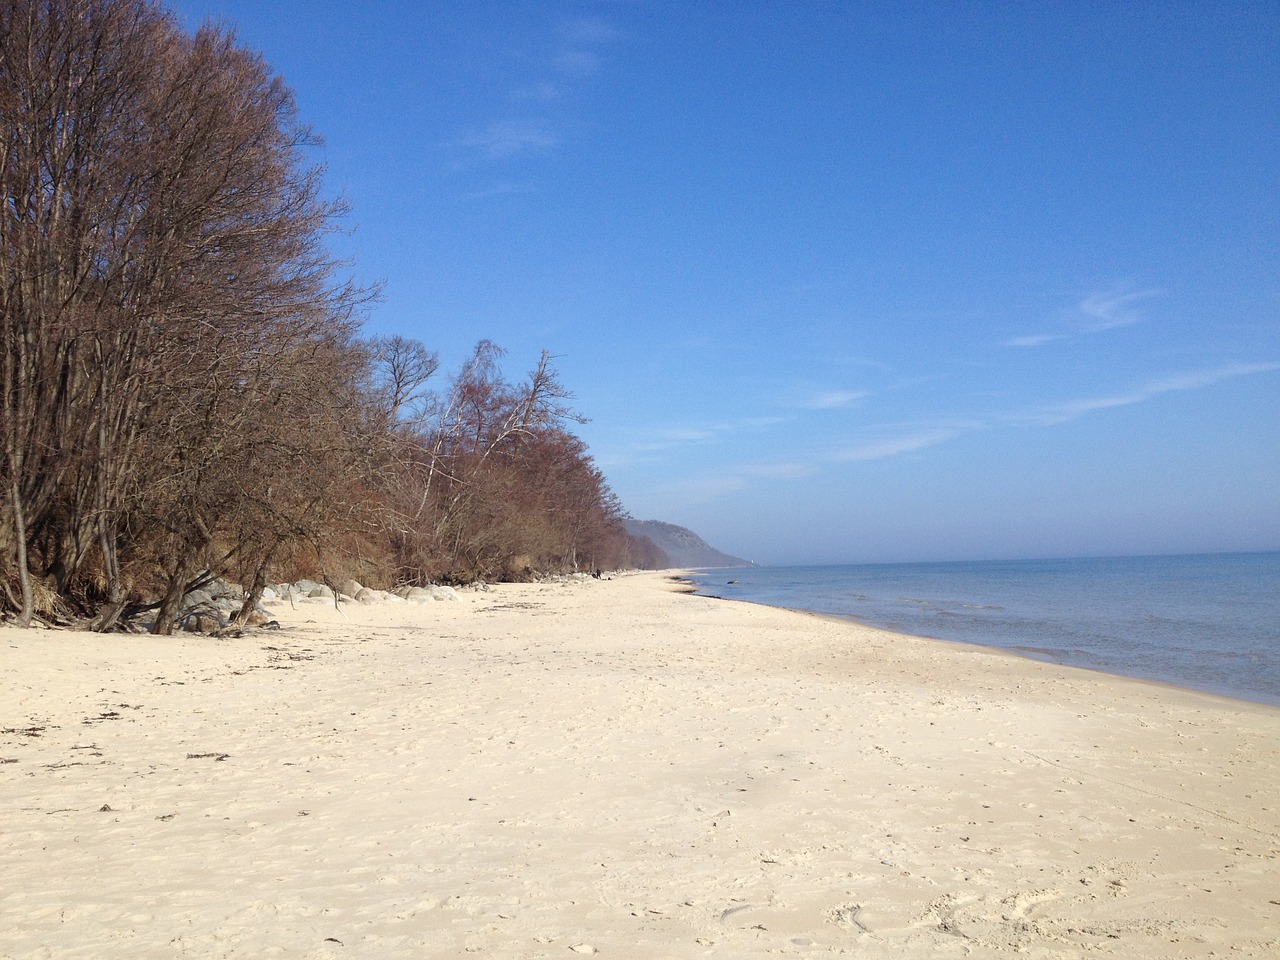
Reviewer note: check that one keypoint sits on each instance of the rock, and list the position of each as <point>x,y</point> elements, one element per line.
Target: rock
<point>207,609</point>
<point>259,618</point>
<point>269,595</point>
<point>320,590</point>
<point>429,593</point>
<point>197,598</point>
<point>203,619</point>
<point>351,588</point>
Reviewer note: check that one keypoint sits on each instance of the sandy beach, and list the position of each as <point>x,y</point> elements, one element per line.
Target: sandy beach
<point>617,768</point>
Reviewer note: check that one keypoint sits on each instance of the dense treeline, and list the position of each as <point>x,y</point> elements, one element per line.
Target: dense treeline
<point>184,393</point>
<point>484,479</point>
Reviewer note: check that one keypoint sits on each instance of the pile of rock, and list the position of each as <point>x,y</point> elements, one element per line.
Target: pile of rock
<point>426,594</point>
<point>350,591</point>
<point>209,609</point>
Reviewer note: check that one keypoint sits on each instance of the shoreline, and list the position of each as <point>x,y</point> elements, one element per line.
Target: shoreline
<point>1025,651</point>
<point>621,768</point>
<point>1017,653</point>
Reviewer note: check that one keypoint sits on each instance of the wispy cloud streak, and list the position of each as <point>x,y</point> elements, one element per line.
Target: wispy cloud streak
<point>1154,388</point>
<point>707,486</point>
<point>910,442</point>
<point>1096,313</point>
<point>1107,311</point>
<point>512,138</point>
<point>889,441</point>
<point>834,399</point>
<point>1034,340</point>
<point>915,439</point>
<point>575,55</point>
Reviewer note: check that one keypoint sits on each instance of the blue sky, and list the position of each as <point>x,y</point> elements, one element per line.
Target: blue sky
<point>839,281</point>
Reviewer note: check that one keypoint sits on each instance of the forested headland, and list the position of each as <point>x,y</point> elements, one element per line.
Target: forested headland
<point>185,391</point>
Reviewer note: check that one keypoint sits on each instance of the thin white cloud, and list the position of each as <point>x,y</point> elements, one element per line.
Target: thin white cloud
<point>1034,340</point>
<point>1096,313</point>
<point>512,138</point>
<point>673,437</point>
<point>713,485</point>
<point>910,442</point>
<point>610,460</point>
<point>776,471</point>
<point>660,441</point>
<point>1107,311</point>
<point>1193,380</point>
<point>886,442</point>
<point>574,56</point>
<point>834,399</point>
<point>850,361</point>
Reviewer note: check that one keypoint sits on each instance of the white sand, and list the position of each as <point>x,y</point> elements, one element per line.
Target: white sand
<point>612,767</point>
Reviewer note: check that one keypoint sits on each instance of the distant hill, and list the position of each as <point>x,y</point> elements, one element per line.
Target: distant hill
<point>682,546</point>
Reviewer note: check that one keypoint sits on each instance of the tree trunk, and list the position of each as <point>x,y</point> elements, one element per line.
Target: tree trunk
<point>171,605</point>
<point>109,612</point>
<point>254,596</point>
<point>20,550</point>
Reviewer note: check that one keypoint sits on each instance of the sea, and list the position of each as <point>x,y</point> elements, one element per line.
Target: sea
<point>1208,622</point>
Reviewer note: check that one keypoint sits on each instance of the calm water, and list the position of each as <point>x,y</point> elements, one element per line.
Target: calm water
<point>1210,622</point>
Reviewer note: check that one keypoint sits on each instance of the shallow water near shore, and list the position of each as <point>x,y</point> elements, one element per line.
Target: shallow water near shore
<point>1209,622</point>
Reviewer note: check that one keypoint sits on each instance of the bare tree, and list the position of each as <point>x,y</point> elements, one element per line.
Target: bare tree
<point>503,488</point>
<point>182,395</point>
<point>162,231</point>
<point>402,369</point>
